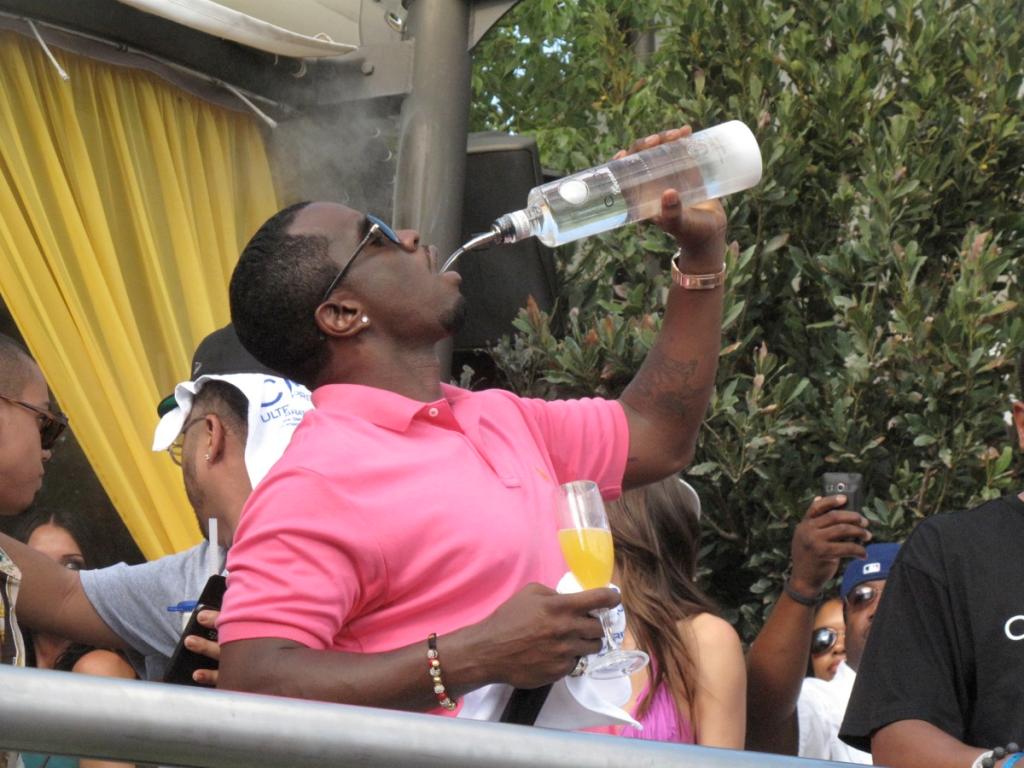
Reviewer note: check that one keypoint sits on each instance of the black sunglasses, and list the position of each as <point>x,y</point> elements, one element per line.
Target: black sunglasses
<point>51,425</point>
<point>823,640</point>
<point>862,596</point>
<point>376,229</point>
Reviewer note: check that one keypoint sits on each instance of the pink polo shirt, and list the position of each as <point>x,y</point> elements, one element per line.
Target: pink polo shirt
<point>388,518</point>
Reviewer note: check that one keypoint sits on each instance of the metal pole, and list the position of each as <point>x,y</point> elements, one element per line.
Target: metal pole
<point>432,149</point>
<point>60,713</point>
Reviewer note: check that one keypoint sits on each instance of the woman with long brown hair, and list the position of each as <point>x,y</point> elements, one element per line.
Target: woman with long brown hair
<point>694,690</point>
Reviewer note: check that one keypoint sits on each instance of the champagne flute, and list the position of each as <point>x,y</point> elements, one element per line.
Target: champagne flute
<point>586,542</point>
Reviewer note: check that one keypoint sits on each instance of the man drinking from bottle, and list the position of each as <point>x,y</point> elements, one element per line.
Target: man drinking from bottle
<point>405,508</point>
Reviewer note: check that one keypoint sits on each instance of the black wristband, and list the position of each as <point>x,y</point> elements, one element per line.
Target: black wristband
<point>796,597</point>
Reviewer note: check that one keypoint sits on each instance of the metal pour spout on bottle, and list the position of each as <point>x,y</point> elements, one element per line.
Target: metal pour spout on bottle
<point>474,243</point>
<point>711,163</point>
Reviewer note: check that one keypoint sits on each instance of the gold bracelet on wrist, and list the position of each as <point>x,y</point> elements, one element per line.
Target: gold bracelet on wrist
<point>695,282</point>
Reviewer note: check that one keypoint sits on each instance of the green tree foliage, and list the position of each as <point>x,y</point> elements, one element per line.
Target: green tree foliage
<point>871,321</point>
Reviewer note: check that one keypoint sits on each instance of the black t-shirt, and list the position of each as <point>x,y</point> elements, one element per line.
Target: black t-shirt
<point>947,643</point>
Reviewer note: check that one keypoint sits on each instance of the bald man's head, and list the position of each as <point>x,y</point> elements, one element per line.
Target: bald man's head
<point>16,367</point>
<point>23,396</point>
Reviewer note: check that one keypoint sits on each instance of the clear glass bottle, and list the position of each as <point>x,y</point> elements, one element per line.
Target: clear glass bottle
<point>711,163</point>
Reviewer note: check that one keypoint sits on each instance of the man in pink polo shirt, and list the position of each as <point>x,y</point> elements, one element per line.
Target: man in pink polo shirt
<point>405,508</point>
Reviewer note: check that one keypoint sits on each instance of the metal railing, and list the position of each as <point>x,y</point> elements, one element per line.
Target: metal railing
<point>59,713</point>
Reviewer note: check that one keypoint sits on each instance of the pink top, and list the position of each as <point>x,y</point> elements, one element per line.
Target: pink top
<point>388,518</point>
<point>661,723</point>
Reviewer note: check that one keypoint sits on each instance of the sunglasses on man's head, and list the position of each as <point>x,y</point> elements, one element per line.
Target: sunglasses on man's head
<point>376,228</point>
<point>824,640</point>
<point>862,596</point>
<point>51,425</point>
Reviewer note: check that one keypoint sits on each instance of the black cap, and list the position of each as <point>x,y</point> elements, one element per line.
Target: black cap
<point>219,354</point>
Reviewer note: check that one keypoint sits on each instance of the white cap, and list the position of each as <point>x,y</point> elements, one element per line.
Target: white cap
<point>276,407</point>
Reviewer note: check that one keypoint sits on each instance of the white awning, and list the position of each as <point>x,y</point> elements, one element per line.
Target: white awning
<point>296,28</point>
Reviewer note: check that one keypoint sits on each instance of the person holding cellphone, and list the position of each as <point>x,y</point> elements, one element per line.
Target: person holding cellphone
<point>777,659</point>
<point>822,704</point>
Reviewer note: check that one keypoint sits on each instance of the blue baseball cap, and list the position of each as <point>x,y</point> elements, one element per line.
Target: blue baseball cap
<point>875,568</point>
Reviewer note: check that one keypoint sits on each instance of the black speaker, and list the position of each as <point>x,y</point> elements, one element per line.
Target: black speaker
<point>500,170</point>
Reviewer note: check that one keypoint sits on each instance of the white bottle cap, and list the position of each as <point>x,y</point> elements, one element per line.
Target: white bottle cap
<point>745,164</point>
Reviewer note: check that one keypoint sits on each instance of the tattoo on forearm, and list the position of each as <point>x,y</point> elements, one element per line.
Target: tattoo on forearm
<point>666,386</point>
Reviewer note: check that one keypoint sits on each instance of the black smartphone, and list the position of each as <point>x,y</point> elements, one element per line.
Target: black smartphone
<point>183,661</point>
<point>850,484</point>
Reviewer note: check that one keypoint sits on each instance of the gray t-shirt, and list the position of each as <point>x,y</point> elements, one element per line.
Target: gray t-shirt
<point>133,601</point>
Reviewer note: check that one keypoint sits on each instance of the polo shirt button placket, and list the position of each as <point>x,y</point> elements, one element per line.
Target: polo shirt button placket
<point>432,413</point>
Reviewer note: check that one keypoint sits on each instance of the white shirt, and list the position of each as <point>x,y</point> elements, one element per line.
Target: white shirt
<point>820,711</point>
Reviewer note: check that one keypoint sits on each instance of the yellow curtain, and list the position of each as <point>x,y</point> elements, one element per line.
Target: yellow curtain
<point>124,203</point>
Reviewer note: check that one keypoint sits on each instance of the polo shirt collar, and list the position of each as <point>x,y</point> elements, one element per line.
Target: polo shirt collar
<point>453,394</point>
<point>382,407</point>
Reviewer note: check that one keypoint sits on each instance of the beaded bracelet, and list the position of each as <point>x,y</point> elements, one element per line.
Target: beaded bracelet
<point>991,757</point>
<point>434,668</point>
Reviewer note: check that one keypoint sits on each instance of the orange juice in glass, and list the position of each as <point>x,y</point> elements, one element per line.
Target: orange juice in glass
<point>589,555</point>
<point>586,542</point>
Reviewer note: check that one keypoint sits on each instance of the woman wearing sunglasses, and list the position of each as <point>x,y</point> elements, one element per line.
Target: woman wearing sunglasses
<point>822,705</point>
<point>828,640</point>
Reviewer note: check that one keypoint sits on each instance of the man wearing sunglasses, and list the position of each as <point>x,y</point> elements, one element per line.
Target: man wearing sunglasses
<point>412,507</point>
<point>28,427</point>
<point>28,432</point>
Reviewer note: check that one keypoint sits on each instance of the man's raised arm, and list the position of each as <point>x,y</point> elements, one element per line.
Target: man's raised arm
<point>666,401</point>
